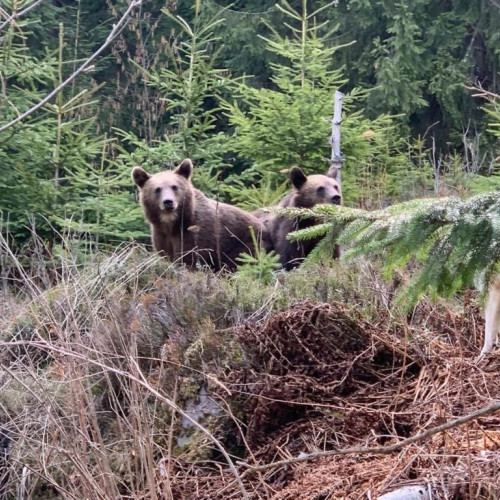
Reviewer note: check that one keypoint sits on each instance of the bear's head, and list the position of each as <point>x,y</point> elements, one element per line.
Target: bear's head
<point>311,190</point>
<point>163,194</point>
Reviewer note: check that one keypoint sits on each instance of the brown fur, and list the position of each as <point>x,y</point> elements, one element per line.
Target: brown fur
<point>189,227</point>
<point>308,191</point>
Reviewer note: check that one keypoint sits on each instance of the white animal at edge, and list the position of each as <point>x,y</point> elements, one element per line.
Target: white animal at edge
<point>492,317</point>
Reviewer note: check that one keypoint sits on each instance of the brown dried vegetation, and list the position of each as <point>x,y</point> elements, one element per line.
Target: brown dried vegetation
<point>318,361</point>
<point>320,377</point>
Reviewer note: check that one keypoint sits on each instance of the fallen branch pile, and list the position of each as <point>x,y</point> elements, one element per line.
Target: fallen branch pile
<point>331,406</point>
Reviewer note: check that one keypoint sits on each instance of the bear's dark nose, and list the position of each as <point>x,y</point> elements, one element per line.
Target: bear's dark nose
<point>168,204</point>
<point>336,199</point>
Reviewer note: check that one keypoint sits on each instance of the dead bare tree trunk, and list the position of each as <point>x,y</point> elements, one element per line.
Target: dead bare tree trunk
<point>336,159</point>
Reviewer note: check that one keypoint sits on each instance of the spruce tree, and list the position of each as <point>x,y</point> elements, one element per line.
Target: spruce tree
<point>456,241</point>
<point>288,123</point>
<point>54,175</point>
<point>189,86</point>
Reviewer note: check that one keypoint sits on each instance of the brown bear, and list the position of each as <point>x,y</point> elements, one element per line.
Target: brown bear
<point>308,191</point>
<point>187,226</point>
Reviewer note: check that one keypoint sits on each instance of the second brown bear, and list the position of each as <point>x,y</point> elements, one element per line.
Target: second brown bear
<point>187,226</point>
<point>308,191</point>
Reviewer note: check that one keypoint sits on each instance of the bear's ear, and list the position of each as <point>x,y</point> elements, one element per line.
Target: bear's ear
<point>140,176</point>
<point>297,177</point>
<point>333,173</point>
<point>185,169</point>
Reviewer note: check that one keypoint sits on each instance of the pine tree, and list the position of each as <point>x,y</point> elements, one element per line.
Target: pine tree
<point>34,154</point>
<point>190,86</point>
<point>54,174</point>
<point>456,241</point>
<point>287,123</point>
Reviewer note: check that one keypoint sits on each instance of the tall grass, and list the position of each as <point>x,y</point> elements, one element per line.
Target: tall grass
<point>99,359</point>
<point>66,376</point>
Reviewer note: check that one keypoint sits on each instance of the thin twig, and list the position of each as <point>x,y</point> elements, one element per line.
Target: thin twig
<point>495,3</point>
<point>141,380</point>
<point>381,450</point>
<point>483,93</point>
<point>114,32</point>
<point>21,13</point>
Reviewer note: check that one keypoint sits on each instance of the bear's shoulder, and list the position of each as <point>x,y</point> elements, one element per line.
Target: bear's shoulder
<point>290,200</point>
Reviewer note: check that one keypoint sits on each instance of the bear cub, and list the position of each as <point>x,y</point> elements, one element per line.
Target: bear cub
<point>187,226</point>
<point>309,190</point>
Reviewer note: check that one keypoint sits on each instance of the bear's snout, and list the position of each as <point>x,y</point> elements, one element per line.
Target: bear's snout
<point>336,199</point>
<point>168,204</point>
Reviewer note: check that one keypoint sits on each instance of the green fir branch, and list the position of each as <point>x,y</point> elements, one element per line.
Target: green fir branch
<point>316,231</point>
<point>456,241</point>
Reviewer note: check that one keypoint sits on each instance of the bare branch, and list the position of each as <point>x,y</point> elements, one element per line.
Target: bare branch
<point>142,381</point>
<point>480,92</point>
<point>21,13</point>
<point>114,32</point>
<point>382,449</point>
<point>176,408</point>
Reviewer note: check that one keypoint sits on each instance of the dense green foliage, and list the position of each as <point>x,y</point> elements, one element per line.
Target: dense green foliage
<point>456,241</point>
<point>246,90</point>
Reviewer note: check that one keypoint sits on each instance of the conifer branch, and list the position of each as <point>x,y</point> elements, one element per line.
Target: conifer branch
<point>457,241</point>
<point>112,35</point>
<point>21,13</point>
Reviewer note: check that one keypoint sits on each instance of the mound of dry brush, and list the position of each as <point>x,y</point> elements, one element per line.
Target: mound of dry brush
<point>193,386</point>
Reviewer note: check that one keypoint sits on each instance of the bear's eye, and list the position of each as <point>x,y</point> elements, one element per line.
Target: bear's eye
<point>158,190</point>
<point>320,190</point>
<point>174,188</point>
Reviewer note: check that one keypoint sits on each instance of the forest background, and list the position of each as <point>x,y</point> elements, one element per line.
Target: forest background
<point>246,90</point>
<point>107,337</point>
